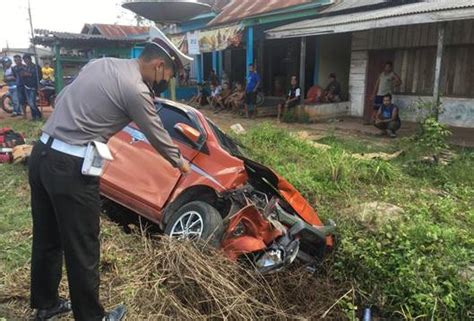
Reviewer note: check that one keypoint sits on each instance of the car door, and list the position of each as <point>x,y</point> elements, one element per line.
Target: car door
<point>143,179</point>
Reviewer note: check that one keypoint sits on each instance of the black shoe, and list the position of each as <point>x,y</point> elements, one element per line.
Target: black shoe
<point>62,307</point>
<point>116,314</point>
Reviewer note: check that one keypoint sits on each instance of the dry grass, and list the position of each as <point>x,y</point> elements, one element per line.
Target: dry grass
<point>159,278</point>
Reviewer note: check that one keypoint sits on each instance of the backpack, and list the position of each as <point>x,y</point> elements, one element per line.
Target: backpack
<point>9,139</point>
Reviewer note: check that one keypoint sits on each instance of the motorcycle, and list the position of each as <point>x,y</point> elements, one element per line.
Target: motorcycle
<point>46,96</point>
<point>6,102</point>
<point>46,93</point>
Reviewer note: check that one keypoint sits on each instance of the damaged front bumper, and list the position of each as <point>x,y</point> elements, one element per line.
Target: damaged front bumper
<point>275,235</point>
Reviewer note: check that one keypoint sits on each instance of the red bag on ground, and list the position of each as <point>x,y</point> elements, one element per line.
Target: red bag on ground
<point>9,139</point>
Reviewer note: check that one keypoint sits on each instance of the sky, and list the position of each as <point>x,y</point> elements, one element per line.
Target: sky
<point>56,15</point>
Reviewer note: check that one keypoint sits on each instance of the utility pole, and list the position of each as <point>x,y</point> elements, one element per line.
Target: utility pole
<point>32,40</point>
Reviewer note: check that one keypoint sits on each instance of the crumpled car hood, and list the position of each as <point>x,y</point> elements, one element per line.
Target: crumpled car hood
<point>287,191</point>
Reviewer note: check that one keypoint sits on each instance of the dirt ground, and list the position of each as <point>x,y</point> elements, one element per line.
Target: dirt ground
<point>344,126</point>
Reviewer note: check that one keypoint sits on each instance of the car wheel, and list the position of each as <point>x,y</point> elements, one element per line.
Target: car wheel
<point>196,220</point>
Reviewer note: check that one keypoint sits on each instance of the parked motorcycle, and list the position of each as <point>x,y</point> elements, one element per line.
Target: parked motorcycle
<point>6,102</point>
<point>46,93</point>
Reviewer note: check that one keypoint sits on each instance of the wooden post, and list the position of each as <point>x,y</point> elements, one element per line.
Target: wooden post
<point>260,59</point>
<point>317,60</point>
<point>58,70</point>
<point>439,61</point>
<point>202,68</point>
<point>220,64</point>
<point>250,38</point>
<point>302,67</point>
<point>197,66</point>
<point>214,62</point>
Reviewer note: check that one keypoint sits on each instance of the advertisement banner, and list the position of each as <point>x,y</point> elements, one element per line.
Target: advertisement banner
<point>220,39</point>
<point>193,43</point>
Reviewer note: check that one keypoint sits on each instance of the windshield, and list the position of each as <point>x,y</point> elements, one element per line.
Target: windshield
<point>226,142</point>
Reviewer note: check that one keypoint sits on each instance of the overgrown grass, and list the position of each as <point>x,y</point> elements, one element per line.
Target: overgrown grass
<point>15,222</point>
<point>415,265</point>
<point>412,264</point>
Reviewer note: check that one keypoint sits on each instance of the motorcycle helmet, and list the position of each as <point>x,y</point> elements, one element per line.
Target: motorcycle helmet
<point>5,60</point>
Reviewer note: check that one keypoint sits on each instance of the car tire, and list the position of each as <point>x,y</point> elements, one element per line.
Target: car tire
<point>201,221</point>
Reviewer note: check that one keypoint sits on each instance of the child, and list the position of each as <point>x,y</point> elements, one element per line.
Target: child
<point>236,99</point>
<point>221,99</point>
<point>201,98</point>
<point>215,92</point>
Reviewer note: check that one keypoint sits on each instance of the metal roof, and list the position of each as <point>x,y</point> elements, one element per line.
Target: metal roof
<point>239,9</point>
<point>50,38</point>
<point>351,4</point>
<point>421,12</point>
<point>114,31</point>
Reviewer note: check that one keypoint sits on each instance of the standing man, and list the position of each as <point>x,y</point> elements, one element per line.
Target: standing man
<point>385,84</point>
<point>107,94</point>
<point>31,77</point>
<point>253,82</point>
<point>10,80</point>
<point>388,119</point>
<point>293,98</point>
<point>20,87</point>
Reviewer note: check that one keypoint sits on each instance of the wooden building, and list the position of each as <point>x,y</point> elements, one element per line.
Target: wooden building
<point>430,43</point>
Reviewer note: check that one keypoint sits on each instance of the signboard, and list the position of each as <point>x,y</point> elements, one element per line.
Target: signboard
<point>193,43</point>
<point>220,39</point>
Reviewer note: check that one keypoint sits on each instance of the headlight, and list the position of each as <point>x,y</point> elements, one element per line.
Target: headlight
<point>239,230</point>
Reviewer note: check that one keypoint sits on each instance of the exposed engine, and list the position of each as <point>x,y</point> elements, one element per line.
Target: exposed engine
<point>259,206</point>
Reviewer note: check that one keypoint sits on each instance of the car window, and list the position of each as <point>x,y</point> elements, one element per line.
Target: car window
<point>171,116</point>
<point>225,141</point>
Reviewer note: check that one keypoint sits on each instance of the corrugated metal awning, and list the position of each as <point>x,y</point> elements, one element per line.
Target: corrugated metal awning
<point>415,13</point>
<point>79,40</point>
<point>238,10</point>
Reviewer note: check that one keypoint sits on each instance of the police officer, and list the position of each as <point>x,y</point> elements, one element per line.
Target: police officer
<point>107,94</point>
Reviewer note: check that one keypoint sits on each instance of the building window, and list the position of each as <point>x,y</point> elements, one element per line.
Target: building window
<point>458,72</point>
<point>416,69</point>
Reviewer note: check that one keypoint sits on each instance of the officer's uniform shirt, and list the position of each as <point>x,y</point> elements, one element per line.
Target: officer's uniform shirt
<point>108,94</point>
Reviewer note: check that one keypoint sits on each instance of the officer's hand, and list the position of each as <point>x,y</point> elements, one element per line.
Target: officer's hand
<point>185,168</point>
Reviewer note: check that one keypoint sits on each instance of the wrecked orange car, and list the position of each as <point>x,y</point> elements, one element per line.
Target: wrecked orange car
<point>237,204</point>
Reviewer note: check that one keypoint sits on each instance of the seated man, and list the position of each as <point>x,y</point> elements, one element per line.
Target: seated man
<point>387,118</point>
<point>222,97</point>
<point>332,94</point>
<point>201,98</point>
<point>213,98</point>
<point>293,98</point>
<point>236,100</point>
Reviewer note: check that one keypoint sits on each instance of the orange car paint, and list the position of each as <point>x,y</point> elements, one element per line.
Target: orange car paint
<point>258,233</point>
<point>143,181</point>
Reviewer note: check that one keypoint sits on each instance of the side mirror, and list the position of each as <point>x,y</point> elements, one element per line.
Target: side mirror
<point>191,134</point>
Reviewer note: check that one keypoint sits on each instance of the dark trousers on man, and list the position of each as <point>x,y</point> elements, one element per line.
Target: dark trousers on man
<point>393,125</point>
<point>65,208</point>
<point>31,100</point>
